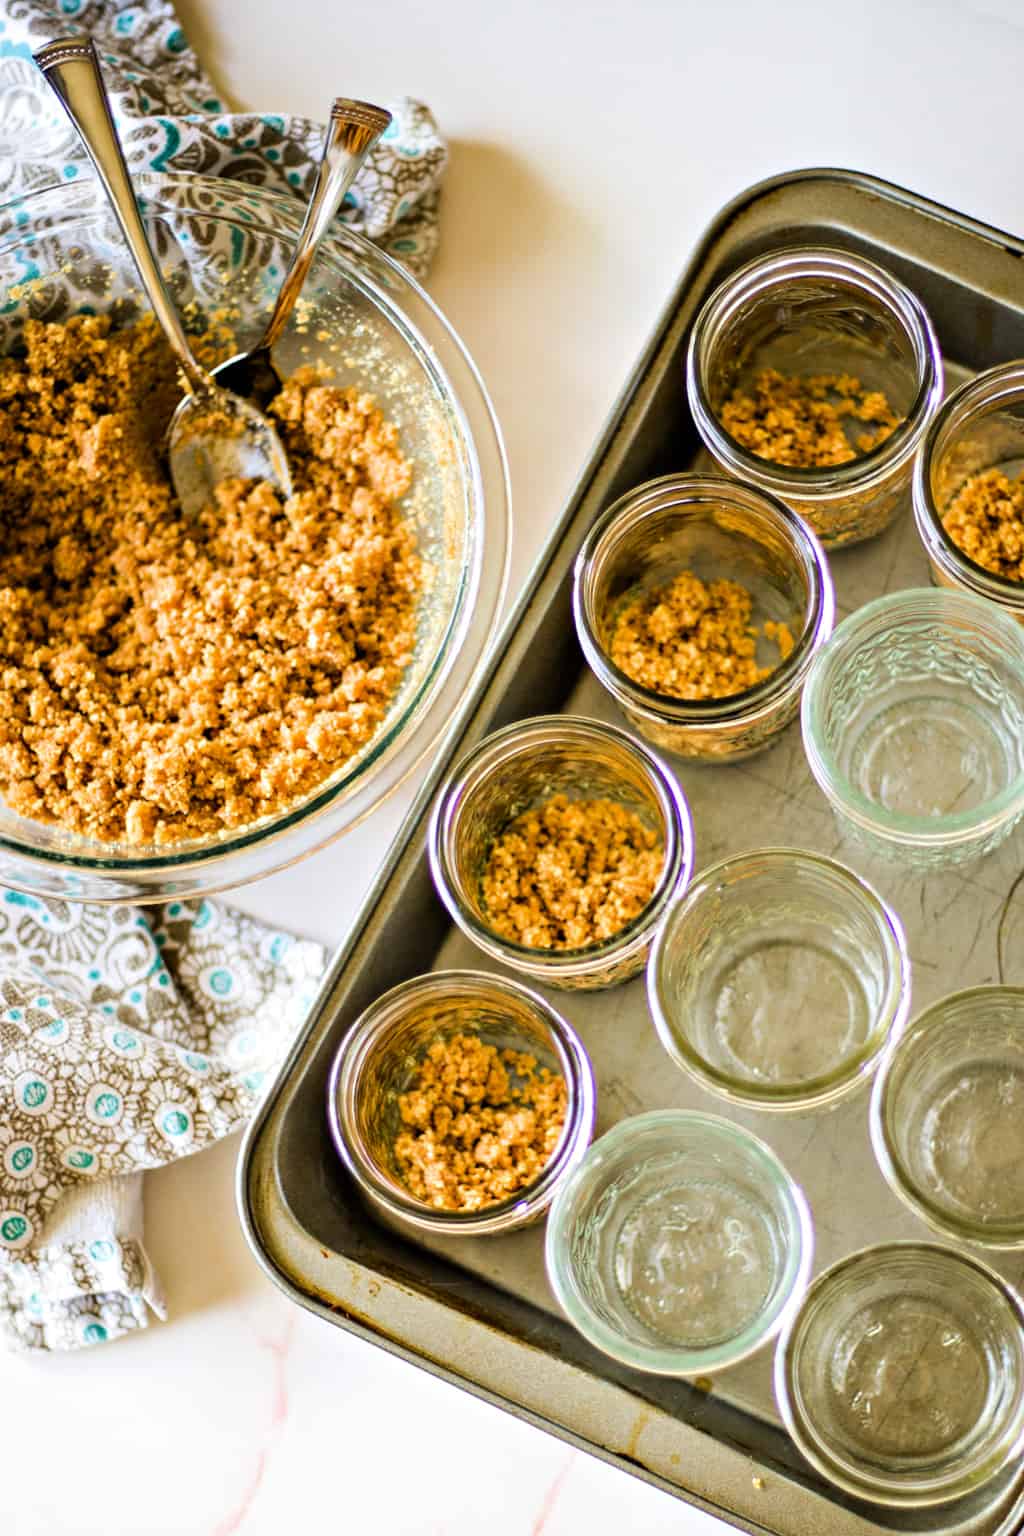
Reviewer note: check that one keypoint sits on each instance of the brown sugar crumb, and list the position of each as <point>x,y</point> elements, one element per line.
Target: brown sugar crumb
<point>164,677</point>
<point>808,423</point>
<point>693,640</point>
<point>570,873</point>
<point>986,521</point>
<point>480,1124</point>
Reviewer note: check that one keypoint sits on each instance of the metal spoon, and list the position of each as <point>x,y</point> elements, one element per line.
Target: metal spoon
<point>352,130</point>
<point>214,435</point>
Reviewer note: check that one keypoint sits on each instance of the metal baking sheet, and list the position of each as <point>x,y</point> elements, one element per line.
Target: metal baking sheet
<point>479,1312</point>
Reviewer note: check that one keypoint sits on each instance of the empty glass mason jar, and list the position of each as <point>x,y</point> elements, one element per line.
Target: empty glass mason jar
<point>375,1064</point>
<point>901,1377</point>
<point>680,1244</point>
<point>980,427</point>
<point>946,1122</point>
<point>714,528</point>
<point>778,978</point>
<point>806,312</point>
<point>518,769</point>
<point>913,726</point>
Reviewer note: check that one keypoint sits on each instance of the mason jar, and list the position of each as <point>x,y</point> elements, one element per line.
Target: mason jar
<point>375,1065</point>
<point>809,311</point>
<point>715,528</point>
<point>517,769</point>
<point>980,427</point>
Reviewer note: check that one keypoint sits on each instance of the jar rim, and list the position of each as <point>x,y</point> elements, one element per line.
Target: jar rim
<point>881,1489</point>
<point>679,491</point>
<point>828,1087</point>
<point>786,1195</point>
<point>887,1154</point>
<point>920,832</point>
<point>976,397</point>
<point>451,801</point>
<point>376,1020</point>
<point>817,482</point>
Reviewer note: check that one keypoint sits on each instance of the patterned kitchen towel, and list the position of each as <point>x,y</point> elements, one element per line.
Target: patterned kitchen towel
<point>127,1039</point>
<point>170,119</point>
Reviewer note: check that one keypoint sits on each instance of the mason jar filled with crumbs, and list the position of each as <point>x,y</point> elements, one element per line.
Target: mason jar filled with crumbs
<point>813,374</point>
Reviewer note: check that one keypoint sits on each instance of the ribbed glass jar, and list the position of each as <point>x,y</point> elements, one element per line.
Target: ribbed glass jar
<point>811,311</point>
<point>901,1377</point>
<point>519,768</point>
<point>777,979</point>
<point>980,427</point>
<point>715,528</point>
<point>680,1245</point>
<point>377,1060</point>
<point>946,1121</point>
<point>913,726</point>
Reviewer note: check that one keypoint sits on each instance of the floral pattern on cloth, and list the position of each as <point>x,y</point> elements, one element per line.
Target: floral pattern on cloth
<point>170,118</point>
<point>127,1039</point>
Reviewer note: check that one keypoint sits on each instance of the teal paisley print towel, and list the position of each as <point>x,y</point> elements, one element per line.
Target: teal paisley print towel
<point>127,1039</point>
<point>170,118</point>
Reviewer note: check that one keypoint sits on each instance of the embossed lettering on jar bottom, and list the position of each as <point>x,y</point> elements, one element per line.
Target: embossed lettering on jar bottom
<point>694,1262</point>
<point>930,754</point>
<point>973,1141</point>
<point>901,1377</point>
<point>745,1012</point>
<point>906,1379</point>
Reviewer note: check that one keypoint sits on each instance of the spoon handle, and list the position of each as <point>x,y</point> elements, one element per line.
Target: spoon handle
<point>352,131</point>
<point>71,68</point>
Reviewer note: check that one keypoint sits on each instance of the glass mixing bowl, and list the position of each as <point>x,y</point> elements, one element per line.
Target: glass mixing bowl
<point>223,247</point>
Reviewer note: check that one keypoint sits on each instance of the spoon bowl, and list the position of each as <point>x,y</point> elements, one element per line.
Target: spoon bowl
<point>216,436</point>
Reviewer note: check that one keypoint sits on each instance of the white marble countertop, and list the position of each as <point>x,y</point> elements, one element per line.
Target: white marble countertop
<point>591,142</point>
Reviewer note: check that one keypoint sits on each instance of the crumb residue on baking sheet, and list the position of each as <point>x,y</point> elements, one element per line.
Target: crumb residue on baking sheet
<point>690,639</point>
<point>570,873</point>
<point>479,1124</point>
<point>163,678</point>
<point>808,423</point>
<point>986,521</point>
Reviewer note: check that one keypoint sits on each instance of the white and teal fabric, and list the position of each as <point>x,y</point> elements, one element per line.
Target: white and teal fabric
<point>171,118</point>
<point>127,1039</point>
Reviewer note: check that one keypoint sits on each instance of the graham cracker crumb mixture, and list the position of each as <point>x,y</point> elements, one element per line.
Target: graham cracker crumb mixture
<point>986,521</point>
<point>481,1124</point>
<point>808,423</point>
<point>570,873</point>
<point>162,677</point>
<point>693,640</point>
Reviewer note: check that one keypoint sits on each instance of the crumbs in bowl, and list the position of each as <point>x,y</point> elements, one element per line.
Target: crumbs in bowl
<point>808,423</point>
<point>165,678</point>
<point>689,639</point>
<point>985,520</point>
<point>570,873</point>
<point>479,1124</point>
